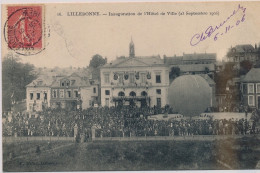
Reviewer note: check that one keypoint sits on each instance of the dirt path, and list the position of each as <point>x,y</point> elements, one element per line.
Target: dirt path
<point>80,154</point>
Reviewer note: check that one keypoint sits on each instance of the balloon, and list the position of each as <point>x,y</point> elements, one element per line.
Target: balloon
<point>190,95</point>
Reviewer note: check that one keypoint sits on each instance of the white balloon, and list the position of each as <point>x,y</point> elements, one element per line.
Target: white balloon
<point>190,95</point>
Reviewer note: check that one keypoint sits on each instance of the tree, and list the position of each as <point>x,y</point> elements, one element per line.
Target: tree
<point>221,78</point>
<point>15,77</point>
<point>245,67</point>
<point>97,61</point>
<point>206,70</point>
<point>175,72</point>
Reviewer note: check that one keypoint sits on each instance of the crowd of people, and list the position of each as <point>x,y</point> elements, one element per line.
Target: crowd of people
<point>115,122</point>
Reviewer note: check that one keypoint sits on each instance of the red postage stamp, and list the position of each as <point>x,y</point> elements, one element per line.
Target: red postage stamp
<point>24,27</point>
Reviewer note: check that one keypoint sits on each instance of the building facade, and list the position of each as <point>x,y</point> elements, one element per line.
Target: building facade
<point>197,63</point>
<point>38,94</point>
<point>66,92</point>
<point>135,81</point>
<point>244,52</point>
<point>250,89</point>
<point>196,58</point>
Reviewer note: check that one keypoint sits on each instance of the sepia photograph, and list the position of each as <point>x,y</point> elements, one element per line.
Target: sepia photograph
<point>130,86</point>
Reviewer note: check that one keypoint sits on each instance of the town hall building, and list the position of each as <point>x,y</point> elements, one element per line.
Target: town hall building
<point>135,81</point>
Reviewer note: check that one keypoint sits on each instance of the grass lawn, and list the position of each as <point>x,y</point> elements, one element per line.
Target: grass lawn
<point>243,153</point>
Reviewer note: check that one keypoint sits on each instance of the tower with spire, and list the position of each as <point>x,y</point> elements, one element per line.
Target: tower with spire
<point>131,49</point>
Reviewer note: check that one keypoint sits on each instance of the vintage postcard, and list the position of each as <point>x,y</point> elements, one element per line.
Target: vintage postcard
<point>130,86</point>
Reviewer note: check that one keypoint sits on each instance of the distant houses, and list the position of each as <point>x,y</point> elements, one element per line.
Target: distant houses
<point>244,52</point>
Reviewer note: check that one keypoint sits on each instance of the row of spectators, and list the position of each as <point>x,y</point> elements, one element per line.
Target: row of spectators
<point>114,122</point>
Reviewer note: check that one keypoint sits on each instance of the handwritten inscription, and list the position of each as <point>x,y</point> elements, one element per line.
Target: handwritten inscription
<point>212,31</point>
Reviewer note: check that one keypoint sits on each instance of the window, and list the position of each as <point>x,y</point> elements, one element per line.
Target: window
<point>68,83</point>
<point>76,94</point>
<point>94,90</point>
<point>250,88</point>
<point>61,93</point>
<point>158,91</point>
<point>38,96</point>
<point>132,93</point>
<point>121,78</point>
<point>258,88</point>
<point>143,93</point>
<point>159,102</point>
<point>62,84</point>
<point>107,92</point>
<point>39,83</point>
<point>143,77</point>
<point>68,94</point>
<point>90,103</point>
<point>30,107</point>
<point>45,96</point>
<point>121,94</point>
<point>31,96</point>
<point>158,78</point>
<point>73,82</point>
<point>245,88</point>
<point>251,100</point>
<point>107,102</point>
<point>54,93</point>
<point>131,78</point>
<point>106,78</point>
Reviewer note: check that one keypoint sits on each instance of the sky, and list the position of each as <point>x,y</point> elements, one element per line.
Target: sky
<point>73,40</point>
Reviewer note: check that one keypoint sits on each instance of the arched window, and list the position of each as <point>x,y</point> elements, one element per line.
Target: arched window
<point>121,93</point>
<point>144,93</point>
<point>132,93</point>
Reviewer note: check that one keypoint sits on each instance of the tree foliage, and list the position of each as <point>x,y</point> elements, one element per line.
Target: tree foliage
<point>245,67</point>
<point>97,61</point>
<point>175,72</point>
<point>222,77</point>
<point>15,77</point>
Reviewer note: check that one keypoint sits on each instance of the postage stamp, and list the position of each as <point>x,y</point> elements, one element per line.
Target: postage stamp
<point>24,29</point>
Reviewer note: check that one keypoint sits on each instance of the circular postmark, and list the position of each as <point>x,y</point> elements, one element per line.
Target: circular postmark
<point>23,30</point>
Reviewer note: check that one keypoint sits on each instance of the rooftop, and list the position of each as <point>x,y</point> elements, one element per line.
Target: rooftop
<point>137,61</point>
<point>252,76</point>
<point>190,57</point>
<point>199,56</point>
<point>42,80</point>
<point>244,48</point>
<point>54,81</point>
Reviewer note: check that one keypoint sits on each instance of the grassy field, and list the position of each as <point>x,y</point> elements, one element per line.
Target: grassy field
<point>241,153</point>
